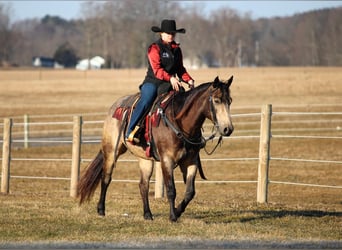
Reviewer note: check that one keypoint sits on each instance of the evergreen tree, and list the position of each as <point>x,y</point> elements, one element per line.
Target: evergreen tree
<point>66,56</point>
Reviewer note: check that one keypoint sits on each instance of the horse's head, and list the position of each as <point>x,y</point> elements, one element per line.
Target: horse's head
<point>220,101</point>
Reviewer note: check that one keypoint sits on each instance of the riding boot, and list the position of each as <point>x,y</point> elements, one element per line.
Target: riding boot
<point>131,137</point>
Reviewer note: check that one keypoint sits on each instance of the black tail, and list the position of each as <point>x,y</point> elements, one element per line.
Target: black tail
<point>90,178</point>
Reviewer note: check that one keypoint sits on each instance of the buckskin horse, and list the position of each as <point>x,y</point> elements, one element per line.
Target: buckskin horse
<point>175,140</point>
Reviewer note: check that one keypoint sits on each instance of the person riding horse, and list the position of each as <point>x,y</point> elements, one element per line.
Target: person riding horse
<point>165,64</point>
<point>175,142</point>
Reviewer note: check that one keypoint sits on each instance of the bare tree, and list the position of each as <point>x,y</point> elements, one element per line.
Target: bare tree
<point>120,32</point>
<point>6,35</point>
<point>198,44</point>
<point>232,35</point>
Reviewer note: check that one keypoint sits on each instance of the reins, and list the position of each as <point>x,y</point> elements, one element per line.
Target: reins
<point>200,141</point>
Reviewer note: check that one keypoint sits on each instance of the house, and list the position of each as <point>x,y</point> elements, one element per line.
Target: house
<point>96,62</point>
<point>46,62</point>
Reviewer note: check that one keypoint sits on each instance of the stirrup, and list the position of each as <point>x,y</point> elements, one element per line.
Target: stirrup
<point>131,137</point>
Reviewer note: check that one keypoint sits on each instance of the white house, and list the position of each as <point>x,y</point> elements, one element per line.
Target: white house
<point>94,63</point>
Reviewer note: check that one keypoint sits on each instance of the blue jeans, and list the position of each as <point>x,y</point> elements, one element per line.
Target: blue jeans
<point>148,93</point>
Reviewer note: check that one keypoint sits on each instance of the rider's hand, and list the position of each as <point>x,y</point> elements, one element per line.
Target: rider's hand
<point>191,84</point>
<point>175,83</point>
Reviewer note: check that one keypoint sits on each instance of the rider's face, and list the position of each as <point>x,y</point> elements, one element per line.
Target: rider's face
<point>167,37</point>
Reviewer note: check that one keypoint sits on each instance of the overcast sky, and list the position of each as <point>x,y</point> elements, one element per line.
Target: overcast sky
<point>71,9</point>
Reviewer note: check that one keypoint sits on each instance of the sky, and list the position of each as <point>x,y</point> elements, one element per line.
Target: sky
<point>67,9</point>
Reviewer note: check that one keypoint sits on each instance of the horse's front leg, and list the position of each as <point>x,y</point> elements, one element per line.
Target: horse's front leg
<point>146,169</point>
<point>190,172</point>
<point>167,168</point>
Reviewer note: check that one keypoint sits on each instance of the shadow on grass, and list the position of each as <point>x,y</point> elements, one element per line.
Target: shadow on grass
<point>228,216</point>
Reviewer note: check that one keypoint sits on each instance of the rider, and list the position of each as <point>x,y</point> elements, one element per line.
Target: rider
<point>165,63</point>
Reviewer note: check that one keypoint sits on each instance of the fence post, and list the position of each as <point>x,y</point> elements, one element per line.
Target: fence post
<point>76,155</point>
<point>6,155</point>
<point>26,131</point>
<point>264,153</point>
<point>159,185</point>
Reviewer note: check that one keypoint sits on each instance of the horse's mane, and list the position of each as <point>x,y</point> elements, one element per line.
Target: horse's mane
<point>191,96</point>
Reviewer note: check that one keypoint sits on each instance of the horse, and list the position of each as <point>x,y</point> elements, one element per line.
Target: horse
<point>177,141</point>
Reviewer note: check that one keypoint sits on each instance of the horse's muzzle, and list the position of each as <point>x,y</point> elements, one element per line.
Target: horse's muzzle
<point>227,131</point>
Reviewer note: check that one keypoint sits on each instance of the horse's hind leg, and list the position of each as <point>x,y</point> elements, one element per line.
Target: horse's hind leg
<point>146,169</point>
<point>108,167</point>
<point>112,148</point>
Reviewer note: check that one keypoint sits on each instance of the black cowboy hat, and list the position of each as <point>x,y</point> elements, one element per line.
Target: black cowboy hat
<point>168,26</point>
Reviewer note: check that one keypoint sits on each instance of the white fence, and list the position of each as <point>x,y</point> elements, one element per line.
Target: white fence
<point>16,132</point>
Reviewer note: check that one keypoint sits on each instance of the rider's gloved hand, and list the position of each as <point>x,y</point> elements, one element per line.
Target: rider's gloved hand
<point>175,83</point>
<point>191,84</point>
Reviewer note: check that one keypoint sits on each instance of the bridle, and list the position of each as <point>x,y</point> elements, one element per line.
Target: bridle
<point>201,140</point>
<point>215,128</point>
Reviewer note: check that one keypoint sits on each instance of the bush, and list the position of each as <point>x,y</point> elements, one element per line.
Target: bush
<point>66,56</point>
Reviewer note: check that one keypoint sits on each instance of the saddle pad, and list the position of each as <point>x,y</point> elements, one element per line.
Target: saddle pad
<point>118,113</point>
<point>126,106</point>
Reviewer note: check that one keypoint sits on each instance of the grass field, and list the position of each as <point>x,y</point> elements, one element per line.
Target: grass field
<point>42,211</point>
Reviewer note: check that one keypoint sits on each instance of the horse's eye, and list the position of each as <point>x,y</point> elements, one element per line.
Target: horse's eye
<point>217,100</point>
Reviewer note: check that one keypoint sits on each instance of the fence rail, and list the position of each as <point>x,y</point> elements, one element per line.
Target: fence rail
<point>11,134</point>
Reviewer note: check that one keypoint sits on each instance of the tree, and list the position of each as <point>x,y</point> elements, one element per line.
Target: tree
<point>120,31</point>
<point>66,56</point>
<point>6,35</point>
<point>232,33</point>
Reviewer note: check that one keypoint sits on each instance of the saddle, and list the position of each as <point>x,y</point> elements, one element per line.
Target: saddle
<point>150,119</point>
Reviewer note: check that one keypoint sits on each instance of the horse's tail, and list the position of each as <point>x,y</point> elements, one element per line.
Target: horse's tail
<point>90,178</point>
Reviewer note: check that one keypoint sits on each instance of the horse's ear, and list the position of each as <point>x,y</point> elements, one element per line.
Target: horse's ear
<point>229,82</point>
<point>216,82</point>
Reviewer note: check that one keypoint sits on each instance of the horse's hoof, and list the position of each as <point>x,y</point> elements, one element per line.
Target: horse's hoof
<point>178,213</point>
<point>101,212</point>
<point>173,219</point>
<point>148,216</point>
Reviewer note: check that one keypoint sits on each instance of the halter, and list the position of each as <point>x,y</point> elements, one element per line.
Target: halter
<point>200,141</point>
<point>213,115</point>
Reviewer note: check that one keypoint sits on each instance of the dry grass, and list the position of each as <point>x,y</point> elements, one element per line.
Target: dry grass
<point>41,210</point>
<point>54,92</point>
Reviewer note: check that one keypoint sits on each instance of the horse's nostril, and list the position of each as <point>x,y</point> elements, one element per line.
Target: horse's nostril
<point>228,131</point>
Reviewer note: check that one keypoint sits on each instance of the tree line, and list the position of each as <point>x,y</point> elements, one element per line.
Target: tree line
<point>119,31</point>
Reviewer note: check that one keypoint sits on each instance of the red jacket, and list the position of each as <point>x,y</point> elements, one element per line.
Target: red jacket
<point>165,61</point>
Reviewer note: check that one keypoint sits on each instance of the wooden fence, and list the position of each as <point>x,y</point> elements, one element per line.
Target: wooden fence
<point>263,159</point>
